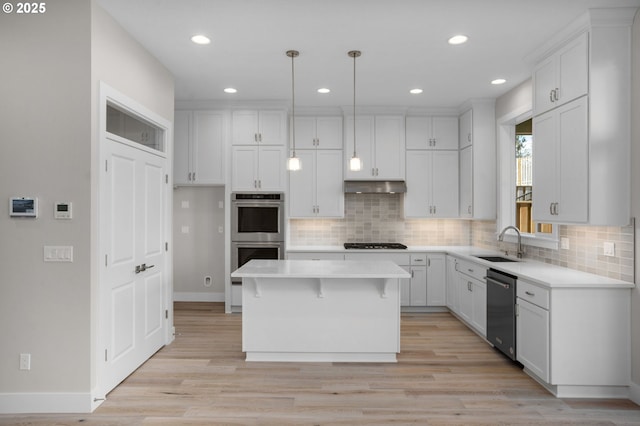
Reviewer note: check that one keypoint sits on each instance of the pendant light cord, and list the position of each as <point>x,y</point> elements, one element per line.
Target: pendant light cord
<point>354,105</point>
<point>354,54</point>
<point>292,54</point>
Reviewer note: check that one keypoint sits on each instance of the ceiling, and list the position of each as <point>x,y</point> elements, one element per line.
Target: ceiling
<point>403,43</point>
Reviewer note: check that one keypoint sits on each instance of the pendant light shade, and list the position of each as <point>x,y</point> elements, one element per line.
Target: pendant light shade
<point>293,163</point>
<point>355,164</point>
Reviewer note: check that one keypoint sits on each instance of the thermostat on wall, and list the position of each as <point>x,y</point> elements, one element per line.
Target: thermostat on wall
<point>23,207</point>
<point>62,210</point>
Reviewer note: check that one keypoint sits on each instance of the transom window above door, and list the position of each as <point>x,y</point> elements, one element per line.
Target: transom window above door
<point>133,128</point>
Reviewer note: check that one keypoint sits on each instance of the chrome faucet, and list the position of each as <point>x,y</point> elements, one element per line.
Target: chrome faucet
<point>501,238</point>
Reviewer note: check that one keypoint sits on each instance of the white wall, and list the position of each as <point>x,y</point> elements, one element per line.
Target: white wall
<point>51,67</point>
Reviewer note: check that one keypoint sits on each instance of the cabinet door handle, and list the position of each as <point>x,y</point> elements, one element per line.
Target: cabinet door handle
<point>255,137</point>
<point>528,293</point>
<point>259,137</point>
<point>412,273</point>
<point>551,208</point>
<point>373,171</point>
<point>193,176</point>
<point>555,94</point>
<point>469,137</point>
<point>551,96</point>
<point>189,176</point>
<point>255,184</point>
<point>469,209</point>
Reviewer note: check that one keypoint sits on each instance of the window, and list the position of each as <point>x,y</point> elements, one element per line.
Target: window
<point>134,128</point>
<point>516,194</point>
<point>524,181</point>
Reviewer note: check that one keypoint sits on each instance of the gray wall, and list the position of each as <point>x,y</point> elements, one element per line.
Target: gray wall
<point>52,64</point>
<point>199,246</point>
<point>635,199</point>
<point>45,122</point>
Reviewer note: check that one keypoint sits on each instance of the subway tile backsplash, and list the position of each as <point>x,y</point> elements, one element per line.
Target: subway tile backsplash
<point>585,252</point>
<point>379,218</point>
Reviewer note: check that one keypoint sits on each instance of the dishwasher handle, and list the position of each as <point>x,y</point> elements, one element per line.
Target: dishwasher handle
<point>501,284</point>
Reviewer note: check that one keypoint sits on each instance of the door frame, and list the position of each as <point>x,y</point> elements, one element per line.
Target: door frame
<point>109,95</point>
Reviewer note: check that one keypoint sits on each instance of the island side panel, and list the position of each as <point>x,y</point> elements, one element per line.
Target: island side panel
<point>321,316</point>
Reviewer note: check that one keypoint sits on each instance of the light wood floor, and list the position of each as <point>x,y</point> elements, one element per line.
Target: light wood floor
<point>445,375</point>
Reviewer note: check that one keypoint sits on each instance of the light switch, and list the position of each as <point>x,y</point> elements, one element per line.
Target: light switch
<point>58,254</point>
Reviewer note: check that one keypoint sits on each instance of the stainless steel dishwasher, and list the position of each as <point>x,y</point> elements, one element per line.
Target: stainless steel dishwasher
<point>501,311</point>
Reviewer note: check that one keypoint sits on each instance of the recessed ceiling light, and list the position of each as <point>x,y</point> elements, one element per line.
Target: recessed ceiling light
<point>230,90</point>
<point>498,81</point>
<point>415,91</point>
<point>458,39</point>
<point>200,39</point>
<point>324,90</point>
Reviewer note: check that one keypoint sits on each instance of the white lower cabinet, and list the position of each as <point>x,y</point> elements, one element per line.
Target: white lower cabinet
<point>532,335</point>
<point>452,284</point>
<point>575,340</point>
<point>471,295</point>
<point>436,280</point>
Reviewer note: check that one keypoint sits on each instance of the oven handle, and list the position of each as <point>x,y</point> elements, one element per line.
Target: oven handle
<point>501,284</point>
<point>257,204</point>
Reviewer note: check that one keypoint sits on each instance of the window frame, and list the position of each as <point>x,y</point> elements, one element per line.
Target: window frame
<point>506,150</point>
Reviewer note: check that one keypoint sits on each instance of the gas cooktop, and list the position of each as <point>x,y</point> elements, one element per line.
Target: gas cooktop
<point>367,246</point>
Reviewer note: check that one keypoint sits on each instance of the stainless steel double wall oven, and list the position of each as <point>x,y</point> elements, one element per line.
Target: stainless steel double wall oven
<point>257,228</point>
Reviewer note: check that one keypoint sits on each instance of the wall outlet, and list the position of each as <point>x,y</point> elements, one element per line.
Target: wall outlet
<point>25,361</point>
<point>609,248</point>
<point>220,230</point>
<point>208,282</point>
<point>564,243</point>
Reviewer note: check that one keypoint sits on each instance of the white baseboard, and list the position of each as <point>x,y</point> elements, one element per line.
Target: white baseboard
<point>180,296</point>
<point>634,392</point>
<point>47,403</point>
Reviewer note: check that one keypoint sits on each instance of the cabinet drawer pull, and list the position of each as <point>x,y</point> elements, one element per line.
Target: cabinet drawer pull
<point>551,95</point>
<point>528,293</point>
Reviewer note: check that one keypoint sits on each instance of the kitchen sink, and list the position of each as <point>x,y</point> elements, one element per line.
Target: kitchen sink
<point>496,259</point>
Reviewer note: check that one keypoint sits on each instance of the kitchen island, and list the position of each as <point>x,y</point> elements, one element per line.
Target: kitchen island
<point>320,311</point>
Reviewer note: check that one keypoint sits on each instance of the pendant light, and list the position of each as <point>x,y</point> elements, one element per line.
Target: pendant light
<point>355,164</point>
<point>293,163</point>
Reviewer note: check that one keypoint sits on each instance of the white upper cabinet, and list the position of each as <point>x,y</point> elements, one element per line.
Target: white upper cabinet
<point>478,161</point>
<point>563,76</point>
<point>432,184</point>
<point>432,132</point>
<point>318,132</point>
<point>466,129</point>
<point>585,117</point>
<point>264,127</point>
<point>199,147</point>
<point>562,148</point>
<point>258,168</point>
<point>316,189</point>
<point>380,144</point>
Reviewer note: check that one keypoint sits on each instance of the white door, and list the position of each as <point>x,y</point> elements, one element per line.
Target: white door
<point>132,235</point>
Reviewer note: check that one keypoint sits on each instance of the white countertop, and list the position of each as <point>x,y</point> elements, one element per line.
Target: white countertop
<point>320,269</point>
<point>540,273</point>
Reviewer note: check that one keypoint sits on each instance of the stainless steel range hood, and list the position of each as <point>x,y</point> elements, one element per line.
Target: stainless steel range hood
<point>374,186</point>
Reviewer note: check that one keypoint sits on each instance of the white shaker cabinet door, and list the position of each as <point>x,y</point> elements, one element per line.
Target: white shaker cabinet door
<point>532,334</point>
<point>329,184</point>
